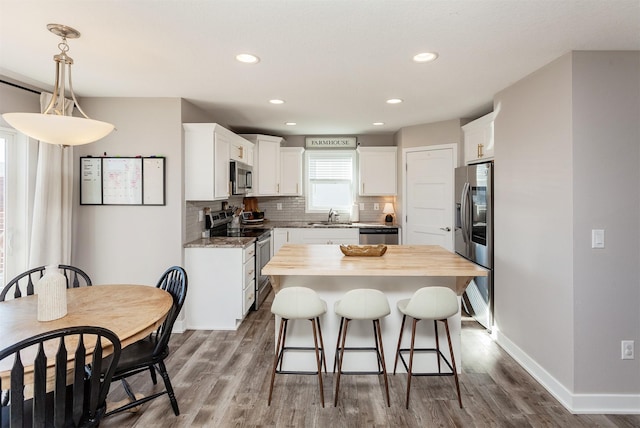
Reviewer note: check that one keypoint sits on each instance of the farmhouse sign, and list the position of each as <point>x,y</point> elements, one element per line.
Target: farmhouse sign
<point>330,142</point>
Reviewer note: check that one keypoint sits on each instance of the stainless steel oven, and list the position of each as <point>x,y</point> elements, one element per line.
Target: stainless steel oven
<point>263,255</point>
<point>217,223</point>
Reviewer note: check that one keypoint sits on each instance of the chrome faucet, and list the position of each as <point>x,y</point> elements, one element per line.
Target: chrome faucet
<point>332,214</point>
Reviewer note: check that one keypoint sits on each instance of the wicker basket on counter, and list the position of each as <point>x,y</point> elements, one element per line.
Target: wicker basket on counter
<point>363,250</point>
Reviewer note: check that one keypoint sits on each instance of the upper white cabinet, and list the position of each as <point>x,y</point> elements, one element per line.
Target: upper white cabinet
<point>206,161</point>
<point>478,139</point>
<point>266,166</point>
<point>377,171</point>
<point>241,150</point>
<point>291,171</point>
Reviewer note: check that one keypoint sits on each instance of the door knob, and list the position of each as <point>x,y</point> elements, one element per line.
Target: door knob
<point>446,229</point>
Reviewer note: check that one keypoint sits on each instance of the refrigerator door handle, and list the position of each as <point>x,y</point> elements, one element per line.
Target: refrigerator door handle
<point>463,212</point>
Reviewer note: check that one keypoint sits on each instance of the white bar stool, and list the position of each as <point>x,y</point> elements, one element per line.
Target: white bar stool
<point>295,303</point>
<point>428,303</point>
<point>361,304</point>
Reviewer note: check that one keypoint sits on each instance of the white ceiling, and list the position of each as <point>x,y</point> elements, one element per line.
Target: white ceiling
<point>333,62</point>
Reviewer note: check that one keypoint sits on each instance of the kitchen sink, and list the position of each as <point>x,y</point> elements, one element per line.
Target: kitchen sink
<point>329,224</point>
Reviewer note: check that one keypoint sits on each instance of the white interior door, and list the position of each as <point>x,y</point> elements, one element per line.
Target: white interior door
<point>429,196</point>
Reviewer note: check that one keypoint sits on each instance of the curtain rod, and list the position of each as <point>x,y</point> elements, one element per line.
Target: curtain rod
<point>15,85</point>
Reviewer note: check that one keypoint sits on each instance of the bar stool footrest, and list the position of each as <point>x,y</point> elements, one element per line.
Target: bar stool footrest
<point>297,348</point>
<point>433,350</point>
<point>359,348</point>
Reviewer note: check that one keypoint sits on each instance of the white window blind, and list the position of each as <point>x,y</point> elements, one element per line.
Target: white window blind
<point>326,167</point>
<point>330,180</point>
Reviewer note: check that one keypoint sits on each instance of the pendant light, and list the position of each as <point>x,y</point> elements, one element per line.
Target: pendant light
<point>55,125</point>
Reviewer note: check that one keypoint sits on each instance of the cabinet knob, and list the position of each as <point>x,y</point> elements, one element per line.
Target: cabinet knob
<point>480,147</point>
<point>446,229</point>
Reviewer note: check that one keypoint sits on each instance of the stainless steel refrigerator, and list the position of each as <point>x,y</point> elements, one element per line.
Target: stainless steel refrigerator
<point>474,235</point>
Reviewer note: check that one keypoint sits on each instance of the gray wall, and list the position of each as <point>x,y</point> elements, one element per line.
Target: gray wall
<point>606,178</point>
<point>432,134</point>
<point>567,151</point>
<point>14,99</point>
<point>533,220</point>
<point>133,244</point>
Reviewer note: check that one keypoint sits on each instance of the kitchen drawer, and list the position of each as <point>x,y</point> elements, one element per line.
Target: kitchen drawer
<point>248,253</point>
<point>248,298</point>
<point>249,271</point>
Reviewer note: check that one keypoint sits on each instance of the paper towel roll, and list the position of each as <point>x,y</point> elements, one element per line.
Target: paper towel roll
<point>355,213</point>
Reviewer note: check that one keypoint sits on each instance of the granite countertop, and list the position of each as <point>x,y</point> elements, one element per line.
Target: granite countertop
<point>220,242</point>
<point>242,242</point>
<point>310,224</point>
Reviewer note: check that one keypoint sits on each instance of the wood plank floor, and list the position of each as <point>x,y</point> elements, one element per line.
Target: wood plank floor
<point>222,379</point>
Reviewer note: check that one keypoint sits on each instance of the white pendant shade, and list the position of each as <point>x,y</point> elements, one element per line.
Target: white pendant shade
<point>55,129</point>
<point>56,125</point>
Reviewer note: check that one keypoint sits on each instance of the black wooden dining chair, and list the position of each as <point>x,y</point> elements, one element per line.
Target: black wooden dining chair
<point>57,401</point>
<point>23,284</point>
<point>150,353</point>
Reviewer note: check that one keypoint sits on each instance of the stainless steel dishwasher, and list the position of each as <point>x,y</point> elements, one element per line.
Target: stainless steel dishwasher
<point>378,235</point>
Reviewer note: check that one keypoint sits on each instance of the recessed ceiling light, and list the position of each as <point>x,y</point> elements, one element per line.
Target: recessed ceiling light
<point>425,57</point>
<point>276,101</point>
<point>290,123</point>
<point>248,58</point>
<point>394,101</point>
<point>378,123</point>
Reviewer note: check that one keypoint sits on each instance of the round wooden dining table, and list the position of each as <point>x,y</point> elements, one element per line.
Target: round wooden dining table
<point>130,311</point>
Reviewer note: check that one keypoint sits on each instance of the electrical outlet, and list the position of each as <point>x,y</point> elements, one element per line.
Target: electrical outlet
<point>376,207</point>
<point>361,206</point>
<point>627,350</point>
<point>201,215</point>
<point>279,206</point>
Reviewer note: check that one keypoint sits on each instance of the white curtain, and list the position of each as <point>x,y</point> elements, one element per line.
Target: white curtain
<point>53,202</point>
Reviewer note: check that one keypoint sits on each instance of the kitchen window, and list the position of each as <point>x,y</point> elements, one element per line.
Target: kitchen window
<point>330,179</point>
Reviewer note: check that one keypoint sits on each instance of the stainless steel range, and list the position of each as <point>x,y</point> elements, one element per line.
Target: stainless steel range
<point>219,224</point>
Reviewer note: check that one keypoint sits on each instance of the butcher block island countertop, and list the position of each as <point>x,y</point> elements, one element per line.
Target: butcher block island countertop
<point>399,260</point>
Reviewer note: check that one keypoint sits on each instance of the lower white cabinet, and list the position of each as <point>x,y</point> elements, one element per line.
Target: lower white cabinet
<point>221,287</point>
<point>321,235</point>
<point>329,235</point>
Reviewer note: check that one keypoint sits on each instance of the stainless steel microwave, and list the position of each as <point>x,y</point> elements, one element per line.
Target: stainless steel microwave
<point>241,178</point>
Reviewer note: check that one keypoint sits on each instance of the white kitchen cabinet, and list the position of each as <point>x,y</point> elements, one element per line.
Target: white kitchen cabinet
<point>266,165</point>
<point>478,139</point>
<point>377,171</point>
<point>285,235</point>
<point>291,171</point>
<point>221,287</point>
<point>331,235</point>
<point>320,235</point>
<point>279,237</point>
<point>206,161</point>
<point>241,150</point>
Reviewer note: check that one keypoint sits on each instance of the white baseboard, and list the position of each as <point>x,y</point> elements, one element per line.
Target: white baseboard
<point>178,327</point>
<point>575,403</point>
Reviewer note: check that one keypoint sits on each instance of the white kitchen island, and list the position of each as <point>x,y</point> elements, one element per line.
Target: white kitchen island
<point>398,273</point>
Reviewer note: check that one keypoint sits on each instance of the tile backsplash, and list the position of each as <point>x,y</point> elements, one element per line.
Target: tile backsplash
<point>293,209</point>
